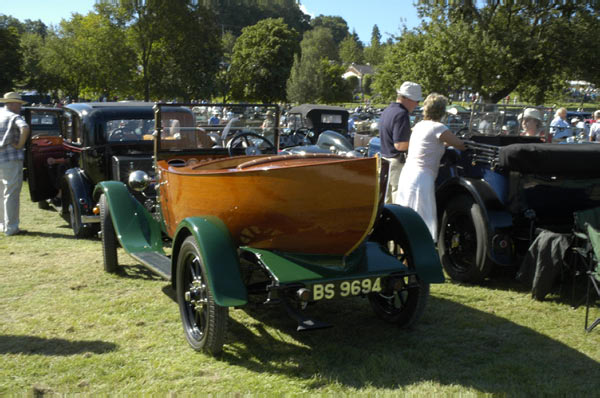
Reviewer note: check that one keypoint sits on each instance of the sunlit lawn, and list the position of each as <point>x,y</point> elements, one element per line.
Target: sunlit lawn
<point>68,327</point>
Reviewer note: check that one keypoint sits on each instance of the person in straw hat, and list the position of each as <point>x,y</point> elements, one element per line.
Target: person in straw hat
<point>13,135</point>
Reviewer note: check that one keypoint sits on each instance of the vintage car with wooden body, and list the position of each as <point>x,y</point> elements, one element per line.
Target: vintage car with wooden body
<point>242,223</point>
<point>493,197</point>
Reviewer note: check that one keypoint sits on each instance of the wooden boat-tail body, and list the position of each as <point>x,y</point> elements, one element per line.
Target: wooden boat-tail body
<point>313,205</point>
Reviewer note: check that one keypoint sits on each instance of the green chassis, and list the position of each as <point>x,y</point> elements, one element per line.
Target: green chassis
<point>141,236</point>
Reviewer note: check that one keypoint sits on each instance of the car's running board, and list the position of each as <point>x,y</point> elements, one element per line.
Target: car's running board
<point>157,263</point>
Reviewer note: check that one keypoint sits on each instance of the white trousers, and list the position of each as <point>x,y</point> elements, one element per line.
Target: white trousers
<point>393,177</point>
<point>11,180</point>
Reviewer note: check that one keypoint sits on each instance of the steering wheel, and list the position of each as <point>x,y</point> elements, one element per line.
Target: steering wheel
<point>120,134</point>
<point>464,133</point>
<point>244,139</point>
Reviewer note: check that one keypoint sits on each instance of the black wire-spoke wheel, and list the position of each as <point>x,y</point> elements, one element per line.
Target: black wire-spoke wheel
<point>404,304</point>
<point>463,241</point>
<point>109,237</point>
<point>204,322</point>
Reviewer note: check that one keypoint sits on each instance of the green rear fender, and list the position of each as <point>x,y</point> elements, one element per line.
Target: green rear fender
<point>219,255</point>
<point>417,238</point>
<point>135,227</point>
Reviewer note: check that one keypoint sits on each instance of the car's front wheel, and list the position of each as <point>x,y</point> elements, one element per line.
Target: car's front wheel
<point>204,322</point>
<point>109,237</point>
<point>463,241</point>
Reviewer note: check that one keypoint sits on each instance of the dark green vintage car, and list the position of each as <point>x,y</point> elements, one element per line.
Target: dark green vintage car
<point>234,222</point>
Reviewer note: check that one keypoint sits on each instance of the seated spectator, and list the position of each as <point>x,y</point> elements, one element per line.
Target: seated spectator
<point>559,127</point>
<point>595,128</point>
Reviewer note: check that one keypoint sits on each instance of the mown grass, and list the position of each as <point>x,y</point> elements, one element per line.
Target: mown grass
<point>66,326</point>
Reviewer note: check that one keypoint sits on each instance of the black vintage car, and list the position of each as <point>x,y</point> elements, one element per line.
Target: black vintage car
<point>96,142</point>
<point>494,197</point>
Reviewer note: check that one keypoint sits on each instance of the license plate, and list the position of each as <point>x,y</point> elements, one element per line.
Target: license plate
<point>345,288</point>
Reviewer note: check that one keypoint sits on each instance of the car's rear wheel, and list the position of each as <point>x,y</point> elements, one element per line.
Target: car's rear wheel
<point>463,241</point>
<point>204,322</point>
<point>109,237</point>
<point>404,306</point>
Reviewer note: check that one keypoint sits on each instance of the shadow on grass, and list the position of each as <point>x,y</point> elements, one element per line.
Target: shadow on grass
<point>137,271</point>
<point>452,345</point>
<point>30,345</point>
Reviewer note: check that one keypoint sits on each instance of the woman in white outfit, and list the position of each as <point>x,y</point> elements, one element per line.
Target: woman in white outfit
<point>416,187</point>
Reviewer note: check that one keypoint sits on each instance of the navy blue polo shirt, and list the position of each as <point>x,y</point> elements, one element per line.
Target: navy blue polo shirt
<point>394,126</point>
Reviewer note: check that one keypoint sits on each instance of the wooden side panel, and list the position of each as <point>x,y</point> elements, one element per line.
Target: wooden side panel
<point>317,206</point>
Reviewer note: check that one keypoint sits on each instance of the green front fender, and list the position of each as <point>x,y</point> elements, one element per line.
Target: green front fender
<point>415,236</point>
<point>219,256</point>
<point>135,227</point>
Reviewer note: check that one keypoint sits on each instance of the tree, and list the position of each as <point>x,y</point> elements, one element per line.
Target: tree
<point>261,61</point>
<point>233,16</point>
<point>176,45</point>
<point>92,55</point>
<point>374,52</point>
<point>319,43</point>
<point>10,58</point>
<point>494,48</point>
<point>337,26</point>
<point>190,55</point>
<point>35,76</point>
<point>315,77</point>
<point>351,51</point>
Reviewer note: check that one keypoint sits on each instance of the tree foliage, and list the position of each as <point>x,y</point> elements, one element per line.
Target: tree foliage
<point>10,58</point>
<point>90,54</point>
<point>374,52</point>
<point>234,15</point>
<point>351,51</point>
<point>315,75</point>
<point>336,25</point>
<point>261,62</point>
<point>494,48</point>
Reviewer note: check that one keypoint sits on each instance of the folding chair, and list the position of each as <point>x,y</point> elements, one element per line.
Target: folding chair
<point>587,232</point>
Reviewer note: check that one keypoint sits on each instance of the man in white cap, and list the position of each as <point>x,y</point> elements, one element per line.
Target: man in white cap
<point>394,132</point>
<point>13,135</point>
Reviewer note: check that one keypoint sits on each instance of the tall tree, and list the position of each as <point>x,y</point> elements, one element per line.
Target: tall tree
<point>351,51</point>
<point>234,15</point>
<point>35,76</point>
<point>315,77</point>
<point>261,61</point>
<point>374,52</point>
<point>93,54</point>
<point>176,43</point>
<point>337,25</point>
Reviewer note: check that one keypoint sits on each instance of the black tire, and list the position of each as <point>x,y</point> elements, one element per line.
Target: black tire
<point>80,230</point>
<point>204,322</point>
<point>463,241</point>
<point>402,307</point>
<point>109,237</point>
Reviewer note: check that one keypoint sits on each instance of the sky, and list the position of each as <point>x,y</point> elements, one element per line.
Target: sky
<point>361,15</point>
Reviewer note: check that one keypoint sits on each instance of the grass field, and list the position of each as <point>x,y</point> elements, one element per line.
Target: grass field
<point>68,327</point>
